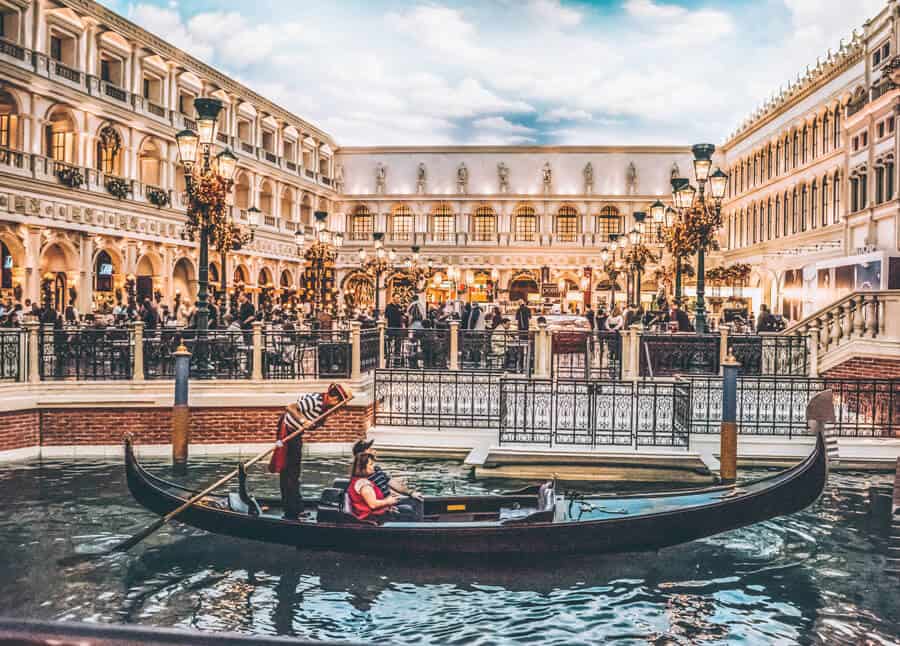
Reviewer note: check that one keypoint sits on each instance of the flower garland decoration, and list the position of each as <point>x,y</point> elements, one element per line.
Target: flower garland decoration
<point>70,176</point>
<point>117,187</point>
<point>699,229</point>
<point>737,273</point>
<point>207,202</point>
<point>678,242</point>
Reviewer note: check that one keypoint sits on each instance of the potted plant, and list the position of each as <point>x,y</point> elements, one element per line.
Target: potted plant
<point>117,187</point>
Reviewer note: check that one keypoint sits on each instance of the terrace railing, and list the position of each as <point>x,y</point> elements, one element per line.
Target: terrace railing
<point>497,351</point>
<point>306,355</point>
<point>586,355</point>
<point>417,349</point>
<point>84,353</point>
<point>11,342</point>
<point>215,354</point>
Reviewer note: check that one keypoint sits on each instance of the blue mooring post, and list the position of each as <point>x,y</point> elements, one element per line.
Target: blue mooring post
<point>181,412</point>
<point>728,437</point>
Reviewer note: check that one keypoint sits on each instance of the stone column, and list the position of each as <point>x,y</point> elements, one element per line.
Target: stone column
<point>355,351</point>
<point>454,345</point>
<point>723,347</point>
<point>34,372</point>
<point>814,350</point>
<point>256,374</point>
<point>137,373</point>
<point>381,323</point>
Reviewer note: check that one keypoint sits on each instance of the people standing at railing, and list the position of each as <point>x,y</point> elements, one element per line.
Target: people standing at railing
<point>393,316</point>
<point>523,318</point>
<point>765,322</point>
<point>680,318</point>
<point>246,317</point>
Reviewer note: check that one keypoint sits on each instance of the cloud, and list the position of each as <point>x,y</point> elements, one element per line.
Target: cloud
<point>500,124</point>
<point>564,114</point>
<point>552,15</point>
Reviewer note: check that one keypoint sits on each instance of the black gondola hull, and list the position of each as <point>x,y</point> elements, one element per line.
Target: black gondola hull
<point>719,509</point>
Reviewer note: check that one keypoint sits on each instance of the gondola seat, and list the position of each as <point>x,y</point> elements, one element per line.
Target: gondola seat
<point>546,508</point>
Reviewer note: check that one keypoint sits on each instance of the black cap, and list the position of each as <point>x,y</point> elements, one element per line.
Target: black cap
<point>362,445</point>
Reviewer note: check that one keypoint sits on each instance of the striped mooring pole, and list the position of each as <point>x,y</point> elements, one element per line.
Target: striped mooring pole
<point>181,412</point>
<point>893,550</point>
<point>728,436</point>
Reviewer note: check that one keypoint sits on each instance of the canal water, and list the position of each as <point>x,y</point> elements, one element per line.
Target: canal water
<point>812,578</point>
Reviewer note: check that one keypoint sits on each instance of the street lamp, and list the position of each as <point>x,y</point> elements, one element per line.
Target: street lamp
<point>208,180</point>
<point>232,237</point>
<point>703,217</point>
<point>375,267</point>
<point>319,257</point>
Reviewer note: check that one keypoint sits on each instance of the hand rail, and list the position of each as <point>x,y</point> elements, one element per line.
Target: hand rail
<point>797,327</point>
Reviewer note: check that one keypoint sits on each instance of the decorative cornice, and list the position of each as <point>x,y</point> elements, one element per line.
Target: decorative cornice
<point>394,150</point>
<point>129,30</point>
<point>812,80</point>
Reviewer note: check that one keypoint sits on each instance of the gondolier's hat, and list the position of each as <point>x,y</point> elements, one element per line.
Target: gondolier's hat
<point>337,390</point>
<point>362,446</point>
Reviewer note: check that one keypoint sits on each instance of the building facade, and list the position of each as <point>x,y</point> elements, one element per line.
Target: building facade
<point>91,193</point>
<point>813,203</point>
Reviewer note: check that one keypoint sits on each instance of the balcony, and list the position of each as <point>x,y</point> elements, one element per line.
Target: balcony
<point>13,158</point>
<point>271,157</point>
<point>291,166</point>
<point>189,123</point>
<point>247,148</point>
<point>311,174</point>
<point>156,110</point>
<point>11,49</point>
<point>325,180</point>
<point>270,220</point>
<point>67,73</point>
<point>222,138</point>
<point>115,92</point>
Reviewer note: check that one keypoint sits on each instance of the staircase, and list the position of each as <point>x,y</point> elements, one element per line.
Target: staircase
<point>861,325</point>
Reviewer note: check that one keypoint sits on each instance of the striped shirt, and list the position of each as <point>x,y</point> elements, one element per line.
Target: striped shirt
<point>308,408</point>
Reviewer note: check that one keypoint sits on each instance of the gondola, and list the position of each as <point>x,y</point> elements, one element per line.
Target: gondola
<point>534,520</point>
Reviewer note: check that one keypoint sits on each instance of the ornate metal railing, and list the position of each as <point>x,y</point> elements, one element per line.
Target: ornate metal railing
<point>665,355</point>
<point>10,360</point>
<point>155,109</point>
<point>777,405</point>
<point>586,355</point>
<point>215,354</point>
<point>593,413</point>
<point>416,349</point>
<point>437,399</point>
<point>115,92</point>
<point>770,354</point>
<point>67,73</point>
<point>368,349</point>
<point>247,147</point>
<point>84,353</point>
<point>10,157</point>
<point>12,49</point>
<point>309,355</point>
<point>501,351</point>
<point>291,166</point>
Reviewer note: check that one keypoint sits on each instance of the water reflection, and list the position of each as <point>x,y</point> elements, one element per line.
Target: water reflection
<point>814,577</point>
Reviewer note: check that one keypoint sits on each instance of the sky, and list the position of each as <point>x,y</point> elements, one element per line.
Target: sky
<point>484,72</point>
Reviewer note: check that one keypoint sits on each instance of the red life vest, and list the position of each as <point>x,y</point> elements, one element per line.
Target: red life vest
<point>358,505</point>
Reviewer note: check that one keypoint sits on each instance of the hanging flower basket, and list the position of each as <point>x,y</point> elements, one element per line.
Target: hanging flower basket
<point>118,187</point>
<point>70,176</point>
<point>158,197</point>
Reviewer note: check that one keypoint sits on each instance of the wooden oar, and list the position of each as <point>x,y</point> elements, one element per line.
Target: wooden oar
<point>144,533</point>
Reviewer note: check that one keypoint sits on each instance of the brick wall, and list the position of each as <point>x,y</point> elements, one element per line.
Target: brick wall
<point>865,368</point>
<point>19,430</point>
<point>60,427</point>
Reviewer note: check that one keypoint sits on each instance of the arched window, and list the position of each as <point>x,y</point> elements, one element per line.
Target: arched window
<point>889,179</point>
<point>59,136</point>
<point>825,201</point>
<point>826,121</point>
<point>484,226</point>
<point>567,224</point>
<point>786,160</point>
<point>286,207</point>
<point>769,219</point>
<point>442,228</point>
<point>796,149</point>
<point>609,223</point>
<point>795,211</point>
<point>526,224</point>
<point>241,191</point>
<point>777,216</point>
<point>266,199</point>
<point>402,223</point>
<point>362,224</point>
<point>741,229</point>
<point>778,159</point>
<point>785,214</point>
<point>754,225</point>
<point>9,122</point>
<point>109,148</point>
<point>804,143</point>
<point>103,273</point>
<point>836,202</point>
<point>815,138</point>
<point>813,202</point>
<point>836,131</point>
<point>6,267</point>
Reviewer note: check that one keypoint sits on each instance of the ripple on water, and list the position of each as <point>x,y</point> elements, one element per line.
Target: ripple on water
<point>814,577</point>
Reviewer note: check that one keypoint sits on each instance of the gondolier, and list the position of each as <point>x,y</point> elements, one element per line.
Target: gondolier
<point>286,459</point>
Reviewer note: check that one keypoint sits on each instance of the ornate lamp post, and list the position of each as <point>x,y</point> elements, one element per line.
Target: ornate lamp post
<point>418,273</point>
<point>701,218</point>
<point>320,257</point>
<point>208,180</point>
<point>382,262</point>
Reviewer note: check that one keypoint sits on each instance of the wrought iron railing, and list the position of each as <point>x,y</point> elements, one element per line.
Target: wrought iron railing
<point>594,413</point>
<point>155,109</point>
<point>247,147</point>
<point>215,354</point>
<point>115,92</point>
<point>437,399</point>
<point>271,157</point>
<point>416,349</point>
<point>67,72</point>
<point>84,353</point>
<point>291,166</point>
<point>12,49</point>
<point>665,355</point>
<point>10,360</point>
<point>586,355</point>
<point>310,173</point>
<point>770,354</point>
<point>309,355</point>
<point>222,137</point>
<point>777,405</point>
<point>500,351</point>
<point>368,349</point>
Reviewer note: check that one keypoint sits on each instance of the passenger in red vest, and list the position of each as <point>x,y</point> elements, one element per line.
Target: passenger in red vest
<point>367,500</point>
